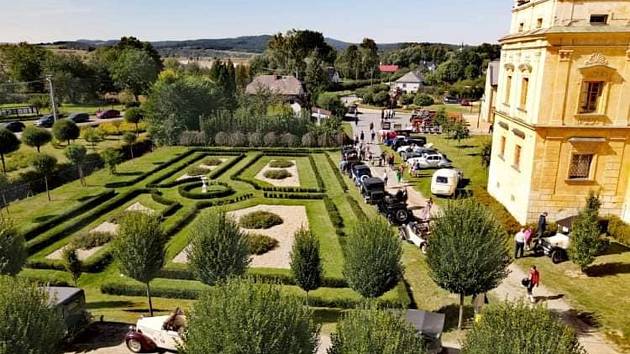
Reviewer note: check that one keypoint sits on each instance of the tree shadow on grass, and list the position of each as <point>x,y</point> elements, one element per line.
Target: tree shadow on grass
<point>99,335</point>
<point>615,248</point>
<point>467,146</point>
<point>130,173</point>
<point>43,218</point>
<point>108,304</point>
<point>606,269</point>
<point>452,315</point>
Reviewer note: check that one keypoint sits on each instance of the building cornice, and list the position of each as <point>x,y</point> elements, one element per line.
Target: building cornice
<point>530,126</point>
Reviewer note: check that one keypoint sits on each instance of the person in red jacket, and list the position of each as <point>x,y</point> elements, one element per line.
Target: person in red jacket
<point>534,280</point>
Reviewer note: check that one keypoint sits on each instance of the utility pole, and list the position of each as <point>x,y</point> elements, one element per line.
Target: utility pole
<point>52,97</point>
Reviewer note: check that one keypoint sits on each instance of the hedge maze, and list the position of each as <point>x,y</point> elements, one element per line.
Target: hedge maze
<point>232,186</point>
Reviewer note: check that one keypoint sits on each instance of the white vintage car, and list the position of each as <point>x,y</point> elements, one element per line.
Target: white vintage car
<point>156,333</point>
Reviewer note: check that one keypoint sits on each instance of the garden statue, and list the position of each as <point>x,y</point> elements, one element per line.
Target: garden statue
<point>204,187</point>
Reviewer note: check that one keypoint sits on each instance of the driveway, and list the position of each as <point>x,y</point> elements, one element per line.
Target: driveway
<point>93,122</point>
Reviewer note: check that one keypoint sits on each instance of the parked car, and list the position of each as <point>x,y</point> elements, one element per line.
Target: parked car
<point>556,246</point>
<point>419,141</point>
<point>70,303</point>
<point>360,172</point>
<point>373,190</point>
<point>394,207</point>
<point>14,126</point>
<point>445,182</point>
<point>430,326</point>
<point>416,233</point>
<point>107,114</point>
<point>465,103</point>
<point>45,121</point>
<point>450,99</point>
<point>79,117</point>
<point>431,161</point>
<point>157,333</point>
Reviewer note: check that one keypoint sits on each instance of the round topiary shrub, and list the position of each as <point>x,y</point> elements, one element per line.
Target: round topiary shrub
<point>260,244</point>
<point>211,161</point>
<point>277,174</point>
<point>281,164</point>
<point>260,220</point>
<point>196,171</point>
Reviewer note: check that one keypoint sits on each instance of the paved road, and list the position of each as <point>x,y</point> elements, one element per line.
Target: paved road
<point>92,122</point>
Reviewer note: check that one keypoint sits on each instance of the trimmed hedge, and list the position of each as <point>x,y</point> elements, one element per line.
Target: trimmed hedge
<point>281,164</point>
<point>156,181</point>
<point>333,213</point>
<point>68,214</point>
<point>316,196</point>
<point>192,291</point>
<point>47,278</point>
<point>618,230</point>
<point>217,172</point>
<point>185,191</point>
<point>340,179</point>
<point>318,176</point>
<point>356,208</point>
<point>277,174</point>
<point>260,220</point>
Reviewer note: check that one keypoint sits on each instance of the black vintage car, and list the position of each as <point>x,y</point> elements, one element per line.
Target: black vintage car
<point>360,172</point>
<point>373,190</point>
<point>394,207</point>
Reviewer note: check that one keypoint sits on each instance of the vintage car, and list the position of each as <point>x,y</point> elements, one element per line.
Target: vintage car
<point>70,303</point>
<point>156,333</point>
<point>373,190</point>
<point>107,114</point>
<point>394,207</point>
<point>416,233</point>
<point>445,182</point>
<point>435,160</point>
<point>430,326</point>
<point>360,172</point>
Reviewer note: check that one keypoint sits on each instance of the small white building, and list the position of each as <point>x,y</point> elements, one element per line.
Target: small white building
<point>489,102</point>
<point>411,82</point>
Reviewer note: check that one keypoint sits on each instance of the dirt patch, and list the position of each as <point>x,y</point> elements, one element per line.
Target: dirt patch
<point>292,181</point>
<point>205,167</point>
<point>82,253</point>
<point>138,207</point>
<point>294,217</point>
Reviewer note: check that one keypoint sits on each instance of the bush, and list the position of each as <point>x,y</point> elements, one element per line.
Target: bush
<point>222,139</point>
<point>65,130</point>
<point>309,140</point>
<point>195,171</point>
<point>192,138</point>
<point>260,244</point>
<point>289,140</point>
<point>92,239</point>
<point>277,174</point>
<point>270,139</point>
<point>281,164</point>
<point>259,220</point>
<point>619,230</point>
<point>12,251</point>
<point>237,139</point>
<point>211,161</point>
<point>507,328</point>
<point>423,100</point>
<point>407,99</point>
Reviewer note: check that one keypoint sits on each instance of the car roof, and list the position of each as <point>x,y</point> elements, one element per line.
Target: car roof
<point>446,172</point>
<point>427,323</point>
<point>373,181</point>
<point>59,295</point>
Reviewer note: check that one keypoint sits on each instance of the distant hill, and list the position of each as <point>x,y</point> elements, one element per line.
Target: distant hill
<point>247,44</point>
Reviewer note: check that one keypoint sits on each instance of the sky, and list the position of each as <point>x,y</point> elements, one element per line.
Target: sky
<point>386,21</point>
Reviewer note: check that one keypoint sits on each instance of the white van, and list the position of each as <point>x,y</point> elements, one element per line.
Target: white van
<point>445,182</point>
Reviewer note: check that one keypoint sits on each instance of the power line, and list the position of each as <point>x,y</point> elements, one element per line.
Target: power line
<point>22,82</point>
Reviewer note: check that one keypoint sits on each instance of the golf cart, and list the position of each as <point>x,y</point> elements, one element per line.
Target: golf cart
<point>156,333</point>
<point>556,246</point>
<point>360,173</point>
<point>416,232</point>
<point>430,326</point>
<point>373,190</point>
<point>394,207</point>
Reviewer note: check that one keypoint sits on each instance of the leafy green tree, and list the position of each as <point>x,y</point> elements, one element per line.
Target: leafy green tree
<point>306,263</point>
<point>134,70</point>
<point>77,154</point>
<point>44,165</point>
<point>8,143</point>
<point>369,57</point>
<point>24,63</point>
<point>178,103</point>
<point>468,254</point>
<point>36,137</point>
<point>66,130</point>
<point>370,330</point>
<point>372,265</point>
<point>243,76</point>
<point>72,263</point>
<point>218,248</point>
<point>585,241</point>
<point>92,136</point>
<point>288,52</point>
<point>242,317</point>
<point>134,115</point>
<point>332,102</point>
<point>12,250</point>
<point>349,63</point>
<point>140,248</point>
<point>111,157</point>
<point>486,153</point>
<point>129,139</point>
<point>73,78</point>
<point>133,43</point>
<point>518,328</point>
<point>28,324</point>
<point>316,76</point>
<point>423,100</point>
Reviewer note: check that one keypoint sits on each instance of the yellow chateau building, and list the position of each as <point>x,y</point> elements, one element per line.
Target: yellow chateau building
<point>562,111</point>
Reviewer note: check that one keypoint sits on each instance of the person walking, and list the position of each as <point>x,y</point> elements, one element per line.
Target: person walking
<point>528,238</point>
<point>372,135</point>
<point>385,178</point>
<point>371,125</point>
<point>398,176</point>
<point>356,119</point>
<point>542,224</point>
<point>534,281</point>
<point>362,136</point>
<point>519,238</point>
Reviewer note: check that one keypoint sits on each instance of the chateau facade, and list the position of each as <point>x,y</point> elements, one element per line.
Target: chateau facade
<point>562,119</point>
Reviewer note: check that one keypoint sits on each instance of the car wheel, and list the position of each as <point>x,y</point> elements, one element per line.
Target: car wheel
<point>401,216</point>
<point>557,256</point>
<point>423,248</point>
<point>402,233</point>
<point>134,345</point>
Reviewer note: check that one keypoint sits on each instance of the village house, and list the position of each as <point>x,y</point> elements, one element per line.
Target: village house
<point>411,82</point>
<point>288,87</point>
<point>562,124</point>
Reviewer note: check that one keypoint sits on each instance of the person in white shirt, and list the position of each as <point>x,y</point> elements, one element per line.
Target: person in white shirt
<point>519,238</point>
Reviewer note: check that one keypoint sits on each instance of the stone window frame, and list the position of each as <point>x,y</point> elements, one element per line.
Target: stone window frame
<point>509,82</point>
<point>595,69</point>
<point>591,168</point>
<point>525,70</point>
